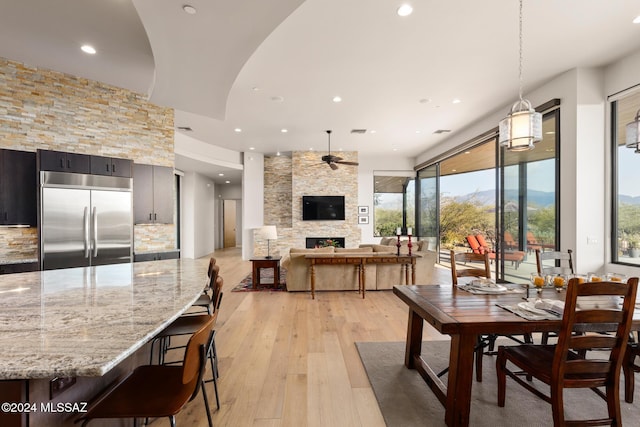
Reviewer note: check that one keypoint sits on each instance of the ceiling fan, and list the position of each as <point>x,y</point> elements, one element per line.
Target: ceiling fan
<point>333,161</point>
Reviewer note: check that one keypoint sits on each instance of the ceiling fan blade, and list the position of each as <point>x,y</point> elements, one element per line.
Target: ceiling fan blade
<point>333,166</point>
<point>348,163</point>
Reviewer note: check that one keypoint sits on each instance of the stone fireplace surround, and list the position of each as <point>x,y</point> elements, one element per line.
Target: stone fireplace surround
<point>314,242</point>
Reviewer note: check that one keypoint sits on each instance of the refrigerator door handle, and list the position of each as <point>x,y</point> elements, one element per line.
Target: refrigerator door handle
<point>95,232</point>
<point>85,222</point>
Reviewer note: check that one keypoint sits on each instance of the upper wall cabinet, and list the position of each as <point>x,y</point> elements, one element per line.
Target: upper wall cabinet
<point>111,166</point>
<point>153,198</point>
<point>18,188</point>
<point>59,161</point>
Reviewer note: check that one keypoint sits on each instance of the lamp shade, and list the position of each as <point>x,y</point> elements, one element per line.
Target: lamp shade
<point>269,232</point>
<point>521,128</point>
<point>633,132</point>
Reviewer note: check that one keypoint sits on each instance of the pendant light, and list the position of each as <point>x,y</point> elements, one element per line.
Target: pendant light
<point>523,126</point>
<point>633,134</point>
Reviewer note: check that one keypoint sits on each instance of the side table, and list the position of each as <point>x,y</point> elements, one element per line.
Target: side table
<point>264,262</point>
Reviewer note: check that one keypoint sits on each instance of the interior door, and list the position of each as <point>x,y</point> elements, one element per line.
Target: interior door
<point>229,223</point>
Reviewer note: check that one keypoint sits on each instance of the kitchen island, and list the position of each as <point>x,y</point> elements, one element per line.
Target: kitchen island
<point>85,322</point>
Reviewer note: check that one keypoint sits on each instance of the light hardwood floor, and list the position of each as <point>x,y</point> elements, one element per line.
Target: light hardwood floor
<point>288,360</point>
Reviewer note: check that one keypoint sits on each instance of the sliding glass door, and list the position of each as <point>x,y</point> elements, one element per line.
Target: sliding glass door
<point>507,200</point>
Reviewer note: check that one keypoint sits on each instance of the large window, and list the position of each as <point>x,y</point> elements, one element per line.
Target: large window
<point>626,191</point>
<point>394,201</point>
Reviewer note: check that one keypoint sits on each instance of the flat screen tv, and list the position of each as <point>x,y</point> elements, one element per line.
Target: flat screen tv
<point>321,208</point>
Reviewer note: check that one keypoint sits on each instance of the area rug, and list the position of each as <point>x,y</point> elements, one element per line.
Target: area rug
<point>405,400</point>
<point>266,282</point>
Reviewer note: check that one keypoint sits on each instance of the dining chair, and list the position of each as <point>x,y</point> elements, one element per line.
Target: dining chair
<point>562,264</point>
<point>462,258</point>
<point>561,366</point>
<point>481,270</point>
<point>158,390</point>
<point>205,300</point>
<point>630,367</point>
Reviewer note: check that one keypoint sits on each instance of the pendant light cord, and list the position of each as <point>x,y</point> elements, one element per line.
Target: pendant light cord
<point>520,47</point>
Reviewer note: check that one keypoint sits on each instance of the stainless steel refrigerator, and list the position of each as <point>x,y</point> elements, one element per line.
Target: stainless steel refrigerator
<point>84,220</point>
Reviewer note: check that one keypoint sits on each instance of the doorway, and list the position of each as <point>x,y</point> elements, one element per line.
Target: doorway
<point>229,223</point>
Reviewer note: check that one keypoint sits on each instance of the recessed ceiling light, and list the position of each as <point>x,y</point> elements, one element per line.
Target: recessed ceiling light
<point>220,174</point>
<point>373,131</point>
<point>337,99</point>
<point>227,182</point>
<point>189,9</point>
<point>238,130</point>
<point>284,130</point>
<point>467,152</point>
<point>551,132</point>
<point>417,131</point>
<point>252,148</point>
<point>454,170</point>
<point>395,149</point>
<point>456,101</point>
<point>255,88</point>
<point>278,153</point>
<point>88,49</point>
<point>405,10</point>
<point>310,148</point>
<point>636,20</point>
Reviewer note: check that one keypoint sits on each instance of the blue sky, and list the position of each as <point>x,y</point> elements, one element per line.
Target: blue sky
<point>541,178</point>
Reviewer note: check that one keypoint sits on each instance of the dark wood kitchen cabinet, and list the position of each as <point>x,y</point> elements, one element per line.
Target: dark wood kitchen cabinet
<point>19,267</point>
<point>153,199</point>
<point>59,161</point>
<point>18,188</point>
<point>111,166</point>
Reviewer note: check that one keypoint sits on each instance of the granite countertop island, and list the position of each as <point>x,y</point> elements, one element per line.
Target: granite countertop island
<point>84,321</point>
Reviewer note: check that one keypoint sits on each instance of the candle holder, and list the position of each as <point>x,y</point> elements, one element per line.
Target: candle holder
<point>409,245</point>
<point>398,245</point>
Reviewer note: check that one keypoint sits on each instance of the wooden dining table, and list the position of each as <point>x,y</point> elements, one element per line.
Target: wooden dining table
<point>463,316</point>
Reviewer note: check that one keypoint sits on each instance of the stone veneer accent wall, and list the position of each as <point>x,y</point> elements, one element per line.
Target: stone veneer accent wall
<point>308,177</point>
<point>44,109</point>
<point>278,191</point>
<point>18,244</point>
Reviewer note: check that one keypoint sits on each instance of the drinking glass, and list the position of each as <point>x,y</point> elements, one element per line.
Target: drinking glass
<point>594,277</point>
<point>559,281</point>
<point>537,281</point>
<point>582,278</point>
<point>615,277</point>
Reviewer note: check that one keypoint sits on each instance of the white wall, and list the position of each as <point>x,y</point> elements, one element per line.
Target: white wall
<point>198,225</point>
<point>253,198</point>
<point>193,148</point>
<point>618,76</point>
<point>368,165</point>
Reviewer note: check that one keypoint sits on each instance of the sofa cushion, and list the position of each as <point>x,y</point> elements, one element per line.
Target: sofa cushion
<point>325,250</point>
<point>384,249</point>
<point>387,241</point>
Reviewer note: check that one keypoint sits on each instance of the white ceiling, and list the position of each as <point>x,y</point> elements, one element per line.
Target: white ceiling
<point>299,54</point>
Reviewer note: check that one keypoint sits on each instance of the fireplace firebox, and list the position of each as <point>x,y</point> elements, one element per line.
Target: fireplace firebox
<point>319,242</point>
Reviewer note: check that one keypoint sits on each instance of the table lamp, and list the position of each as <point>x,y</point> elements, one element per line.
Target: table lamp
<point>269,232</point>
